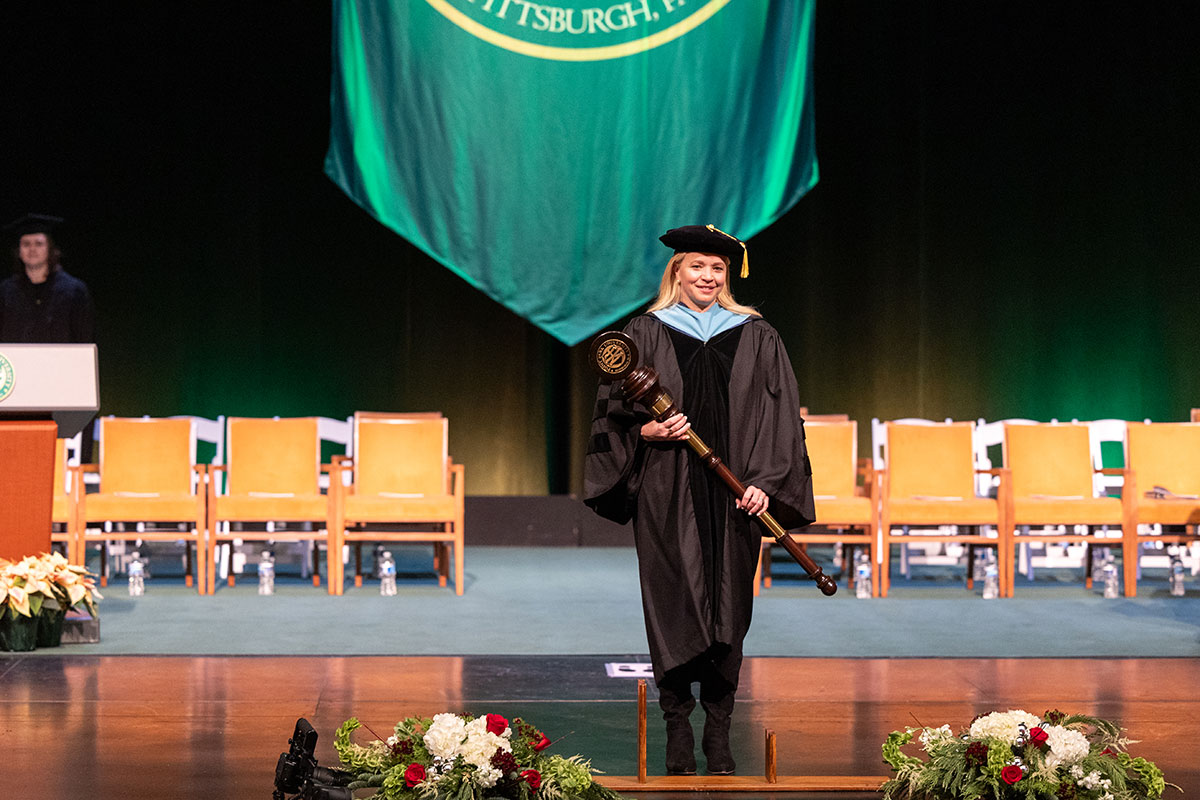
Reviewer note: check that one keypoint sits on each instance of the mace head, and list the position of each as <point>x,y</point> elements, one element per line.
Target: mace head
<point>613,355</point>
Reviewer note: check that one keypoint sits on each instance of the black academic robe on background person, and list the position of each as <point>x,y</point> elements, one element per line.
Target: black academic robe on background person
<point>697,552</point>
<point>57,311</point>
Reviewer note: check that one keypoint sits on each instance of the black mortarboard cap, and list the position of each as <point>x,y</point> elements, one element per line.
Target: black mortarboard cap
<point>708,239</point>
<point>31,223</point>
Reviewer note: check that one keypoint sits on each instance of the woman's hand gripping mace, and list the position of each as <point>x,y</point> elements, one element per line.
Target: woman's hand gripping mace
<point>614,356</point>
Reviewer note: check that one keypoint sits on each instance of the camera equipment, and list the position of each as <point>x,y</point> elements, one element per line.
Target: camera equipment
<point>298,774</point>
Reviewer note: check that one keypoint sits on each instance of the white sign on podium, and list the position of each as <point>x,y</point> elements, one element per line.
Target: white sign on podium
<point>50,380</point>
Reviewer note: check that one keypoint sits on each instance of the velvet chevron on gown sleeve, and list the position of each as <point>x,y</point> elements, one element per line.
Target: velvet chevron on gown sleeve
<point>612,472</point>
<point>767,433</point>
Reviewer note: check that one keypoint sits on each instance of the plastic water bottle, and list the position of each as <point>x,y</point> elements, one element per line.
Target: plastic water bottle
<point>991,577</point>
<point>862,577</point>
<point>387,575</point>
<point>1112,583</point>
<point>977,569</point>
<point>1177,587</point>
<point>266,573</point>
<point>137,576</point>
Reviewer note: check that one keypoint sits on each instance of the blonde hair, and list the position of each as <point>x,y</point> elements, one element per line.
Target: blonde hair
<point>669,292</point>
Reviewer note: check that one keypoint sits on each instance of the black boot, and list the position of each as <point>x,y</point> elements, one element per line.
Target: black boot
<point>715,742</point>
<point>677,703</point>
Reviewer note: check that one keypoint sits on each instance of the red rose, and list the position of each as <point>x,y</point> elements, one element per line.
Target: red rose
<point>1108,751</point>
<point>1011,774</point>
<point>496,724</point>
<point>542,745</point>
<point>533,778</point>
<point>1038,736</point>
<point>414,775</point>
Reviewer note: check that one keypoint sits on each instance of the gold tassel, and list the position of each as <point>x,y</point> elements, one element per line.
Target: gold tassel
<point>745,273</point>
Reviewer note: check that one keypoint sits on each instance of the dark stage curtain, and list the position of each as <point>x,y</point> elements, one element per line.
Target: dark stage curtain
<point>1005,225</point>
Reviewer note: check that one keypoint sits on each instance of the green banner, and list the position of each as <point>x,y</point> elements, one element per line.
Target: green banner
<point>539,149</point>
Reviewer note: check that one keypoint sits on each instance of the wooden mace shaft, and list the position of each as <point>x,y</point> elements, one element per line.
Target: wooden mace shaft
<point>642,386</point>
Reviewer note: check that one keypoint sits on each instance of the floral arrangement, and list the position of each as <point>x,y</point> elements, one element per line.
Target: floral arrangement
<point>460,757</point>
<point>47,582</point>
<point>1010,754</point>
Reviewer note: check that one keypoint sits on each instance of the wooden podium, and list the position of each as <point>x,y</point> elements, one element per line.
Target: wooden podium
<point>46,391</point>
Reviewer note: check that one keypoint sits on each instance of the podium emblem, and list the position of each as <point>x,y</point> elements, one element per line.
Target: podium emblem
<point>7,378</point>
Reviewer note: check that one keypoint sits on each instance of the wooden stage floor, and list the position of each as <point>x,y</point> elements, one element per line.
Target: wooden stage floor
<point>95,727</point>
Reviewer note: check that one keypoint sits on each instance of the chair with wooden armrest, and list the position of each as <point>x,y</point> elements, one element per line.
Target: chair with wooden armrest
<point>1162,486</point>
<point>928,482</point>
<point>148,477</point>
<point>272,477</point>
<point>68,485</point>
<point>404,487</point>
<point>847,512</point>
<point>1052,485</point>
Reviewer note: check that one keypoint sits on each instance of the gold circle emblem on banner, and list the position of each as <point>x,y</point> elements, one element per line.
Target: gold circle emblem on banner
<point>694,20</point>
<point>8,378</point>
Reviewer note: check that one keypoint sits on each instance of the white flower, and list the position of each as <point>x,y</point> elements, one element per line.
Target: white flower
<point>445,736</point>
<point>1002,725</point>
<point>1091,780</point>
<point>487,777</point>
<point>934,735</point>
<point>1066,746</point>
<point>480,747</point>
<point>392,740</point>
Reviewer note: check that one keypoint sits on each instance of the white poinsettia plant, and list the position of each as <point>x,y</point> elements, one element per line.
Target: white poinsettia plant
<point>46,582</point>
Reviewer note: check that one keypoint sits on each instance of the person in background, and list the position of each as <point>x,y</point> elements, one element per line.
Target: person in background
<point>697,545</point>
<point>40,301</point>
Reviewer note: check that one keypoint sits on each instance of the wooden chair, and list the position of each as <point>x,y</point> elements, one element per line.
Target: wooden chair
<point>920,552</point>
<point>272,477</point>
<point>929,481</point>
<point>847,512</point>
<point>1158,456</point>
<point>65,510</point>
<point>148,476</point>
<point>1052,485</point>
<point>402,477</point>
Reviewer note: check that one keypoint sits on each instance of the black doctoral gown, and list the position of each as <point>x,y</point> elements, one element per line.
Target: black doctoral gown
<point>696,551</point>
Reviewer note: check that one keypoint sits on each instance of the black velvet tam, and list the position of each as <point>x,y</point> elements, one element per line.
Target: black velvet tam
<point>704,239</point>
<point>31,223</point>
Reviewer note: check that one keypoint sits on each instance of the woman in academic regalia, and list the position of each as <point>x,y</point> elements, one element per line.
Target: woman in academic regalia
<point>697,545</point>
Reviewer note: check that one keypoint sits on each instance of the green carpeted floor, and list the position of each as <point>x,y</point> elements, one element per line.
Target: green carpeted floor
<point>573,601</point>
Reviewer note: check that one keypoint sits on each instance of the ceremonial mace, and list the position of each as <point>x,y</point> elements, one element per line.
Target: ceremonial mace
<point>614,356</point>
